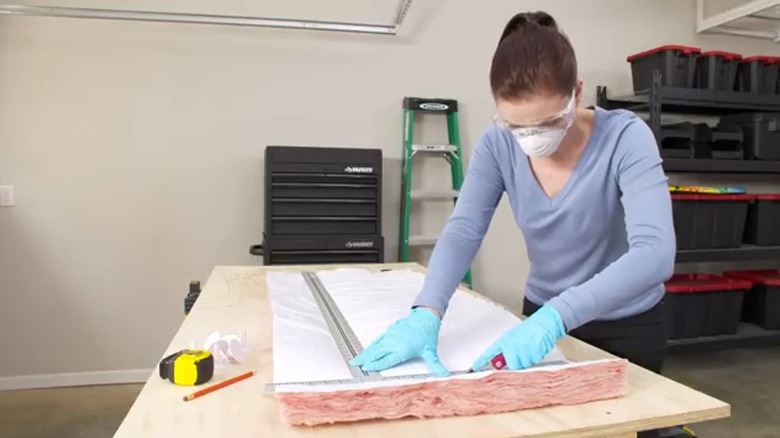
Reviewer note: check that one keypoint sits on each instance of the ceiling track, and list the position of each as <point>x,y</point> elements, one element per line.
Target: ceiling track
<point>725,22</point>
<point>222,20</point>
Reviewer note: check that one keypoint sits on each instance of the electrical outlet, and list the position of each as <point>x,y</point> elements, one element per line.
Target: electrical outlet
<point>6,196</point>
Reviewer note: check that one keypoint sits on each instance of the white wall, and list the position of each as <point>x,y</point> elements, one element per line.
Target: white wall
<point>136,149</point>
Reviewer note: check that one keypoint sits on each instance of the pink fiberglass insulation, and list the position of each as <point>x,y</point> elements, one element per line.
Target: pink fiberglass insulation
<point>495,393</point>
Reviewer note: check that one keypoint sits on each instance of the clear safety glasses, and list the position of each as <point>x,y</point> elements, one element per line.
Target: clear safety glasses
<point>561,120</point>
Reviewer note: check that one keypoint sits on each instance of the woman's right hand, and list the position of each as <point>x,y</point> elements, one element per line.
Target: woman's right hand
<point>416,335</point>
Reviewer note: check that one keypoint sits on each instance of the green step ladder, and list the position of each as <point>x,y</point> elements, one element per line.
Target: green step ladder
<point>451,152</point>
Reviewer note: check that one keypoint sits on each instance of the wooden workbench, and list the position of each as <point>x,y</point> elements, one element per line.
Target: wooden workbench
<point>235,298</point>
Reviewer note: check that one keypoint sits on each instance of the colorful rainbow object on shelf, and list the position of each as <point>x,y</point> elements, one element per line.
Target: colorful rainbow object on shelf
<point>708,190</point>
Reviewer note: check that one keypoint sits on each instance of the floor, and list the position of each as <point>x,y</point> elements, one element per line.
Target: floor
<point>745,378</point>
<point>81,412</point>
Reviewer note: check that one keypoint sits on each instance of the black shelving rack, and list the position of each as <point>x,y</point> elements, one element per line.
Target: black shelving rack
<point>739,254</point>
<point>683,165</point>
<point>659,100</point>
<point>747,336</point>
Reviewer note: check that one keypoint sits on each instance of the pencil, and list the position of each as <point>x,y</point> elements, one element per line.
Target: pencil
<point>219,385</point>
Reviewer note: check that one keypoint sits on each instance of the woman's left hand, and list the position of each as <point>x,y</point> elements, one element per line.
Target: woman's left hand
<point>528,343</point>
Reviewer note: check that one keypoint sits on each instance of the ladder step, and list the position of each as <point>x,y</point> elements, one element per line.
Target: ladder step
<point>437,148</point>
<point>433,194</point>
<point>422,241</point>
<point>434,105</point>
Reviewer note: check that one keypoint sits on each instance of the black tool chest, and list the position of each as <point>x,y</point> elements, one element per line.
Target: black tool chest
<point>322,205</point>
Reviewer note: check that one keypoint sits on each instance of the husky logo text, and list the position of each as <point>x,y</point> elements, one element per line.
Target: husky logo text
<point>358,169</point>
<point>360,244</point>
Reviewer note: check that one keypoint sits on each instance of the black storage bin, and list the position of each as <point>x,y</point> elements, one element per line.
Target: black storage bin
<point>705,221</point>
<point>703,305</point>
<point>677,65</point>
<point>761,134</point>
<point>305,250</point>
<point>686,140</point>
<point>677,141</point>
<point>727,143</point>
<point>717,70</point>
<point>699,140</point>
<point>762,302</point>
<point>322,191</point>
<point>763,221</point>
<point>758,74</point>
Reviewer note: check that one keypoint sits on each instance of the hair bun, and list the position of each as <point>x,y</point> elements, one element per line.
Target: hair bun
<point>542,19</point>
<point>525,20</point>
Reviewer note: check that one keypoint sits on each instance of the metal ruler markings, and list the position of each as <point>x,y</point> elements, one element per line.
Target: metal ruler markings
<point>271,387</point>
<point>346,341</point>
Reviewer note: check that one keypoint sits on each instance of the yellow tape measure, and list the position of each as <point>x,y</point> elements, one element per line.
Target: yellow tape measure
<point>188,367</point>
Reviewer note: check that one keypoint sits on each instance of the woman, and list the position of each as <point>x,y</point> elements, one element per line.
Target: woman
<point>591,199</point>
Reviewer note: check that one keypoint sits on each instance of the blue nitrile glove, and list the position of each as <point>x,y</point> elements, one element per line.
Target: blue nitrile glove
<point>416,335</point>
<point>528,343</point>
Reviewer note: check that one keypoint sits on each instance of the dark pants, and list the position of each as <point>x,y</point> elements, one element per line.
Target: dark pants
<point>640,338</point>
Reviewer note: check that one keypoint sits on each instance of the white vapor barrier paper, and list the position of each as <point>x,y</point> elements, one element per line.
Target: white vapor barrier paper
<point>304,349</point>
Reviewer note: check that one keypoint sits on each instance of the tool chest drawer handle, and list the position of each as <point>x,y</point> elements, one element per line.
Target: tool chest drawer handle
<point>324,185</point>
<point>326,251</point>
<point>256,250</point>
<point>325,218</point>
<point>323,201</point>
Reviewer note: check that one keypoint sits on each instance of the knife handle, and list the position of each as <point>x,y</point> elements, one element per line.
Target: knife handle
<point>498,361</point>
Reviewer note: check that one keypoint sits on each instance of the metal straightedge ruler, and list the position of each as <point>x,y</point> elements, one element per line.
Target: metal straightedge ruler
<point>349,346</point>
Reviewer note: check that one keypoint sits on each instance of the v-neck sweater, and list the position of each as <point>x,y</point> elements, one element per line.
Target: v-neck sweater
<point>600,249</point>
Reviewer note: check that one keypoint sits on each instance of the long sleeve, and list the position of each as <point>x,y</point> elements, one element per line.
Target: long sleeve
<point>649,261</point>
<point>462,236</point>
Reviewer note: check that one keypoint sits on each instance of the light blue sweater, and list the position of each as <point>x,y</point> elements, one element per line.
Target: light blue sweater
<point>599,250</point>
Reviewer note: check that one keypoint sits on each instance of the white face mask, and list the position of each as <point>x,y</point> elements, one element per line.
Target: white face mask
<point>544,141</point>
<point>543,144</point>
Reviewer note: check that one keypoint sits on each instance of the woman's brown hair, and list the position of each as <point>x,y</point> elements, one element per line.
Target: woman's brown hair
<point>533,57</point>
